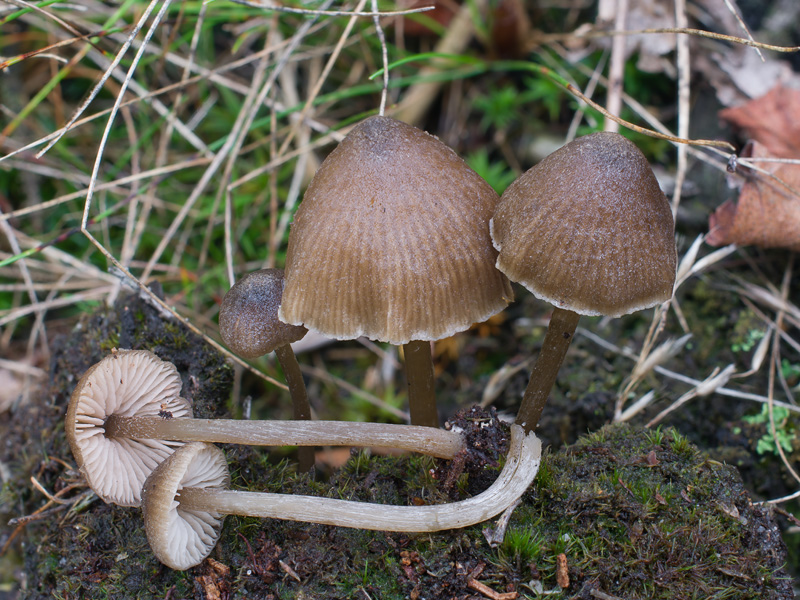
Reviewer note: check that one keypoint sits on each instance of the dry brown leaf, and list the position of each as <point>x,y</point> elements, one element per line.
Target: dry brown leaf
<point>767,213</point>
<point>773,120</point>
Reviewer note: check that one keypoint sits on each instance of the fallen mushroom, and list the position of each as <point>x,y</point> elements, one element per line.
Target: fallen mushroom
<point>588,230</point>
<point>185,500</point>
<point>126,416</point>
<point>249,325</point>
<point>391,242</point>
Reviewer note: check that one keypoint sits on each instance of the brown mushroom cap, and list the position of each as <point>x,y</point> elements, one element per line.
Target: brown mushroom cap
<point>126,383</point>
<point>392,241</point>
<point>248,317</point>
<point>181,538</point>
<point>588,229</point>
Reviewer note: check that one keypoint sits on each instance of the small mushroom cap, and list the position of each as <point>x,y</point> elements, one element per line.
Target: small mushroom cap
<point>392,241</point>
<point>588,229</point>
<point>181,538</point>
<point>248,317</point>
<point>127,383</point>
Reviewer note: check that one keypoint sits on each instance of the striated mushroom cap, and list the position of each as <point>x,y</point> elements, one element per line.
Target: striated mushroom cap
<point>182,538</point>
<point>248,317</point>
<point>588,229</point>
<point>127,383</point>
<point>392,241</point>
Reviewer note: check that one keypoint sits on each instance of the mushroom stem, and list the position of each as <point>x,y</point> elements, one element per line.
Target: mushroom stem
<point>543,375</point>
<point>522,464</point>
<point>421,393</point>
<point>435,442</point>
<point>297,390</point>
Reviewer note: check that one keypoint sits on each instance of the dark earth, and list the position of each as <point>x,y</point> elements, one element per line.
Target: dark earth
<point>636,514</point>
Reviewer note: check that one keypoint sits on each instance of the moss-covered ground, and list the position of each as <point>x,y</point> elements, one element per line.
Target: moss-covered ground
<point>622,513</point>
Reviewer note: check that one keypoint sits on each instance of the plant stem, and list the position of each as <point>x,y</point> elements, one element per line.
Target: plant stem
<point>543,375</point>
<point>297,390</point>
<point>421,393</point>
<point>435,442</point>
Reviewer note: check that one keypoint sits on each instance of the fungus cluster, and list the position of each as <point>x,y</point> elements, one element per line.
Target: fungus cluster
<point>396,239</point>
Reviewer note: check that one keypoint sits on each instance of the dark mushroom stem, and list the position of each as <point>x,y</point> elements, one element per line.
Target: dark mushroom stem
<point>297,391</point>
<point>421,393</point>
<point>559,335</point>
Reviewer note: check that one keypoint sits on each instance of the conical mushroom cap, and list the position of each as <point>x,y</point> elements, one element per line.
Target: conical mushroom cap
<point>588,229</point>
<point>180,537</point>
<point>392,241</point>
<point>127,383</point>
<point>248,317</point>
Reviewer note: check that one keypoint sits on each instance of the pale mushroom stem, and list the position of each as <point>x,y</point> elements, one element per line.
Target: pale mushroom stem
<point>297,390</point>
<point>559,335</point>
<point>421,391</point>
<point>522,464</point>
<point>434,442</point>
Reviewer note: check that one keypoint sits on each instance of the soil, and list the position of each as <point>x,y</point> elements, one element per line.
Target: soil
<point>624,512</point>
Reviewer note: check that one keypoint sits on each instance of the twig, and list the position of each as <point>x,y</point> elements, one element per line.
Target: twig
<point>384,57</point>
<point>616,70</point>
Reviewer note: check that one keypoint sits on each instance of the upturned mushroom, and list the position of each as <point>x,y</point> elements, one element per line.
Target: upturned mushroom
<point>391,242</point>
<point>126,416</point>
<point>186,498</point>
<point>249,325</point>
<point>588,230</point>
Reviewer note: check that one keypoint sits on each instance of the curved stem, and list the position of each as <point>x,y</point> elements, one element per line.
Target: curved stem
<point>297,390</point>
<point>522,464</point>
<point>421,392</point>
<point>559,335</point>
<point>425,440</point>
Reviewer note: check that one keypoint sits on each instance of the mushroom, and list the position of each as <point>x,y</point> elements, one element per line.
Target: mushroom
<point>588,230</point>
<point>125,416</point>
<point>249,325</point>
<point>391,242</point>
<point>185,500</point>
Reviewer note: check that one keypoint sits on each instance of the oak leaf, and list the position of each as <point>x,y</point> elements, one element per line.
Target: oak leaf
<point>772,120</point>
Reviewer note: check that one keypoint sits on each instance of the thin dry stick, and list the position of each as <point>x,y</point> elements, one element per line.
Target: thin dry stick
<point>99,86</point>
<point>186,322</point>
<point>384,57</point>
<point>722,391</point>
<point>591,86</point>
<point>738,16</point>
<point>243,123</point>
<point>112,115</point>
<point>38,329</point>
<point>315,90</point>
<point>616,70</point>
<point>419,97</point>
<point>334,13</point>
<point>555,37</point>
<point>212,75</point>
<point>137,227</point>
<point>248,110</point>
<point>356,391</point>
<point>684,77</point>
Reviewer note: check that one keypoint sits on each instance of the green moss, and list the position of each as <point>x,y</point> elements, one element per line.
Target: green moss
<point>648,517</point>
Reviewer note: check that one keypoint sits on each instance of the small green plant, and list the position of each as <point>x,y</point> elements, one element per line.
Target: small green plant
<point>784,430</point>
<point>523,544</point>
<point>497,174</point>
<point>790,371</point>
<point>749,341</point>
